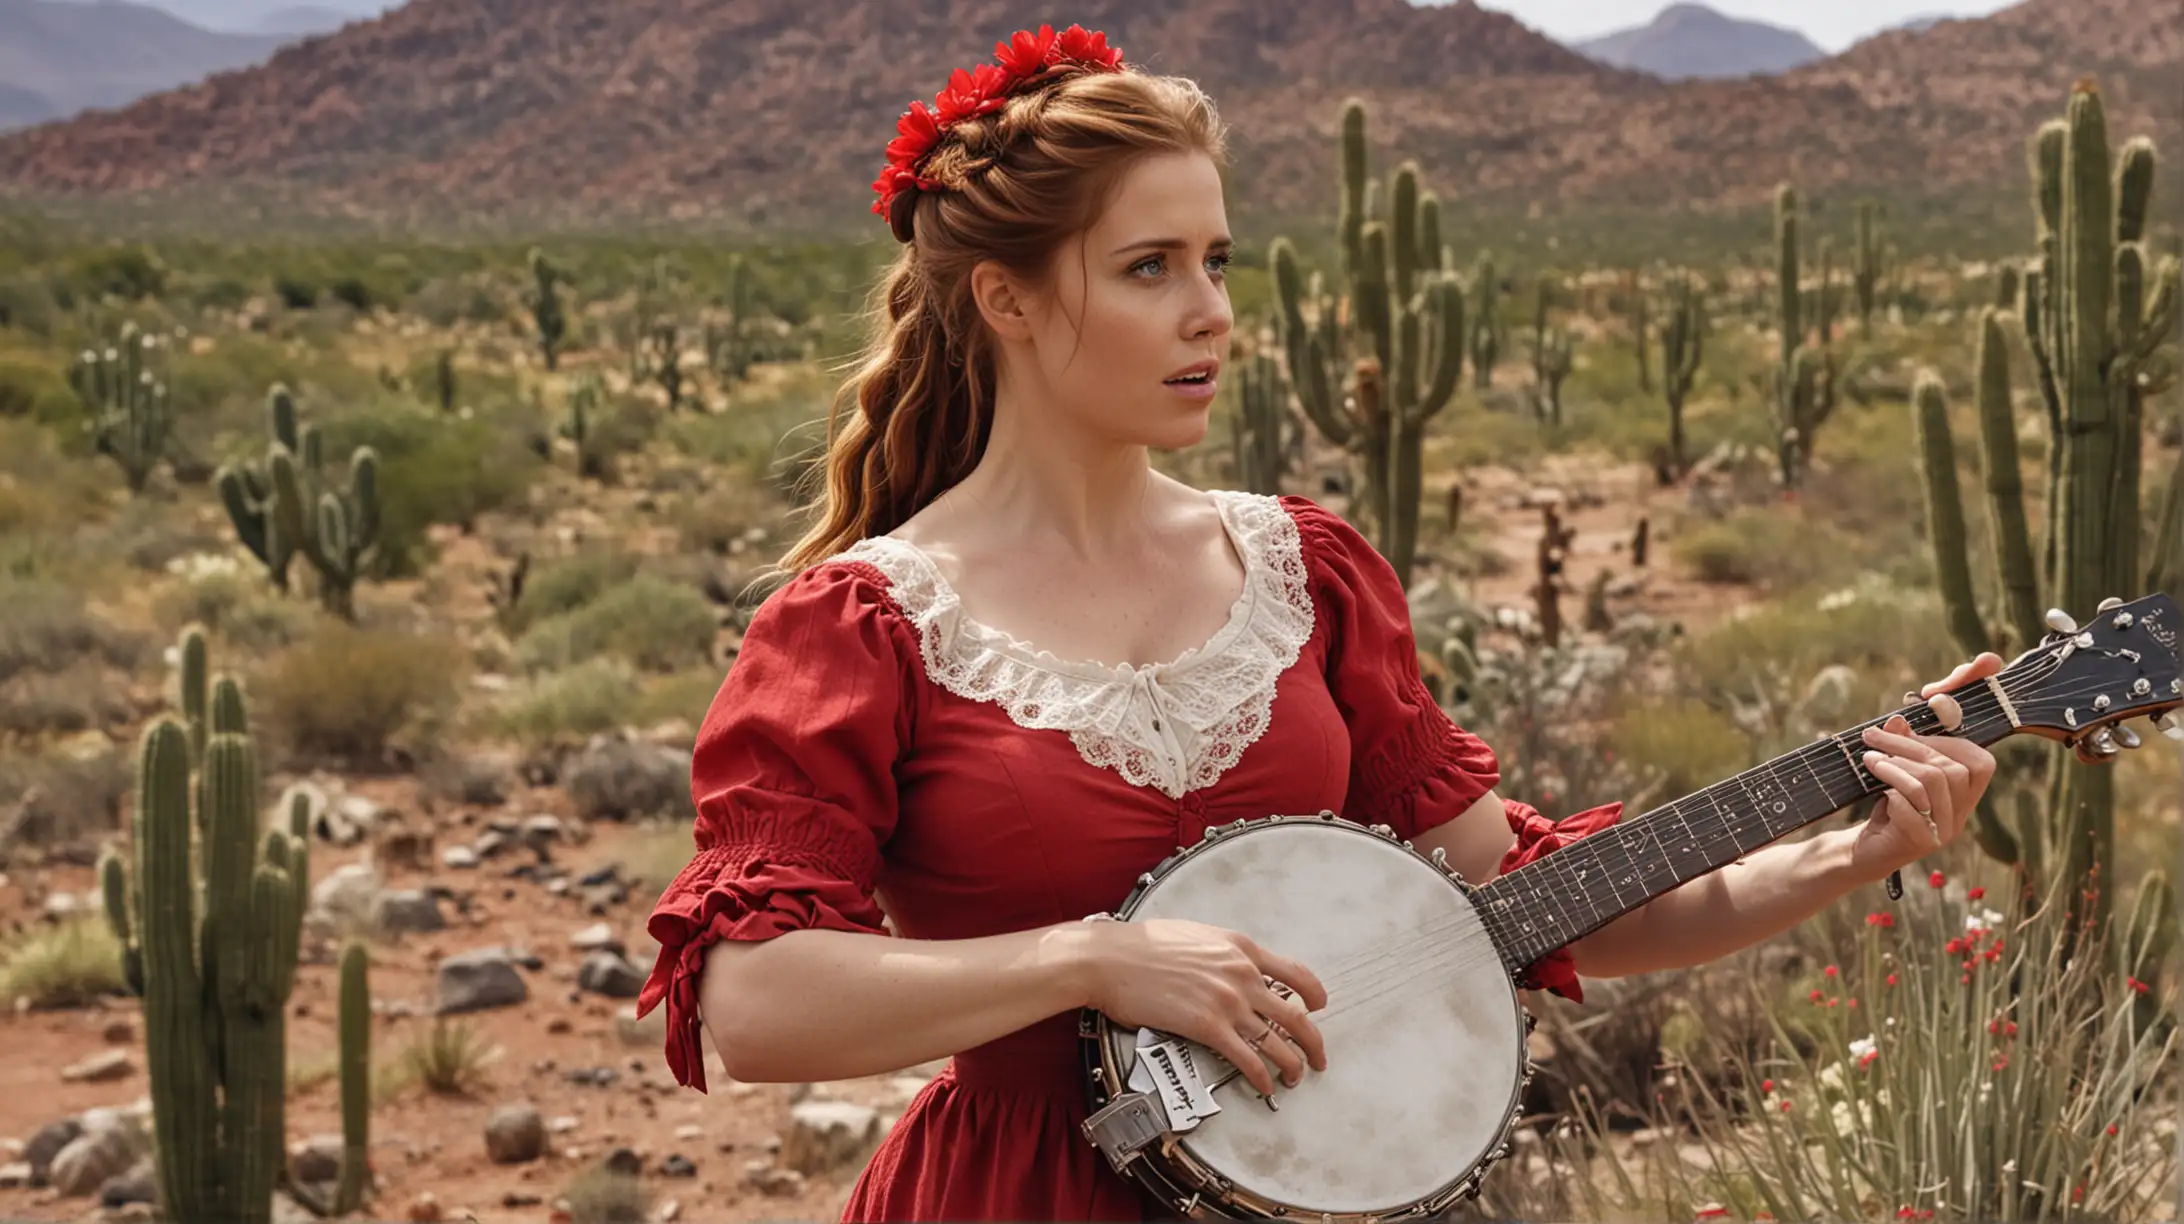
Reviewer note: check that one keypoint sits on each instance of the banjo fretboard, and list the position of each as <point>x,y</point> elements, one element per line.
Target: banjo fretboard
<point>1571,892</point>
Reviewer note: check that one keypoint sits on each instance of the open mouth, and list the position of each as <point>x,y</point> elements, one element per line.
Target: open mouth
<point>1190,379</point>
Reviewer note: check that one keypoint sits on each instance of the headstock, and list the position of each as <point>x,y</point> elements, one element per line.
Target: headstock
<point>2079,683</point>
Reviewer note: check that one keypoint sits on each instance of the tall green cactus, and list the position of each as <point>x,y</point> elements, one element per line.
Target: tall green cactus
<point>1804,375</point>
<point>1866,262</point>
<point>545,303</point>
<point>1640,321</point>
<point>1683,338</point>
<point>1552,356</point>
<point>2098,315</point>
<point>210,917</point>
<point>126,399</point>
<point>1485,321</point>
<point>1260,433</point>
<point>1405,323</point>
<point>285,506</point>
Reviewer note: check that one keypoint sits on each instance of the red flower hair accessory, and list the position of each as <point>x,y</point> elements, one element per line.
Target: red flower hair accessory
<point>1024,57</point>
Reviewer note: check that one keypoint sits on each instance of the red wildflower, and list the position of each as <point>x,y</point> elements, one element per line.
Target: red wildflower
<point>2001,1062</point>
<point>1766,1085</point>
<point>1974,894</point>
<point>1712,1211</point>
<point>1785,1107</point>
<point>1903,1213</point>
<point>2139,986</point>
<point>1880,919</point>
<point>1867,1058</point>
<point>1830,971</point>
<point>2009,1028</point>
<point>1891,979</point>
<point>2111,1128</point>
<point>1851,1003</point>
<point>1818,995</point>
<point>1937,879</point>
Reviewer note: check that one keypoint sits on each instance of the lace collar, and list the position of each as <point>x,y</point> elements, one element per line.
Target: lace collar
<point>1176,725</point>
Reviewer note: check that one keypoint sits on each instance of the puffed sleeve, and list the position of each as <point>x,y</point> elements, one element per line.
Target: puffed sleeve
<point>792,775</point>
<point>1411,767</point>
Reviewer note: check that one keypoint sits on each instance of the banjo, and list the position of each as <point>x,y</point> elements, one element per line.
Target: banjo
<point>1420,966</point>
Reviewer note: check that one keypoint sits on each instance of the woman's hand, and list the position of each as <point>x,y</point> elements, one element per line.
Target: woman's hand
<point>1933,780</point>
<point>1215,987</point>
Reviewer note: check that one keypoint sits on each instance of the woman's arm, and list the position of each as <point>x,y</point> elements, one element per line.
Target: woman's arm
<point>1704,919</point>
<point>812,1005</point>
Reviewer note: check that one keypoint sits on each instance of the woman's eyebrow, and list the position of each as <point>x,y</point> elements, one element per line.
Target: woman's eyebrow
<point>1167,244</point>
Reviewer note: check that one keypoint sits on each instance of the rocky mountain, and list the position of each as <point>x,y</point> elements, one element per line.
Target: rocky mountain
<point>776,111</point>
<point>289,17</point>
<point>1691,40</point>
<point>58,57</point>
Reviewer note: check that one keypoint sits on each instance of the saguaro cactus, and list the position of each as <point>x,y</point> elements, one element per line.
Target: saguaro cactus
<point>285,506</point>
<point>1262,414</point>
<point>1682,340</point>
<point>210,916</point>
<point>1552,356</point>
<point>546,307</point>
<point>1485,321</point>
<point>1804,376</point>
<point>1405,320</point>
<point>1866,263</point>
<point>130,418</point>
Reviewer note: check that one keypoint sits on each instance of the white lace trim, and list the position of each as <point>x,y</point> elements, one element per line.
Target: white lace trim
<point>1177,725</point>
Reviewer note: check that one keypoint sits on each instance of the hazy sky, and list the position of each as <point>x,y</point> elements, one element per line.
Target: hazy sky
<point>1834,25</point>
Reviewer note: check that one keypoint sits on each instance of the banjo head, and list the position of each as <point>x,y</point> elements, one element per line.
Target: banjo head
<point>1425,1033</point>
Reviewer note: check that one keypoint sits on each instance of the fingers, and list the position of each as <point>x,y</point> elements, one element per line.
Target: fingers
<point>1296,976</point>
<point>1289,1013</point>
<point>1287,1059</point>
<point>1236,1047</point>
<point>1911,786</point>
<point>1985,664</point>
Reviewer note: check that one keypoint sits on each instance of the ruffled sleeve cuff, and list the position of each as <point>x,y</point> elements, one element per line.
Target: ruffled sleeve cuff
<point>745,893</point>
<point>1538,837</point>
<point>1427,774</point>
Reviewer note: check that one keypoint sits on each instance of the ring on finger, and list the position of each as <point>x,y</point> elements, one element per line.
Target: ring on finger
<point>1263,1034</point>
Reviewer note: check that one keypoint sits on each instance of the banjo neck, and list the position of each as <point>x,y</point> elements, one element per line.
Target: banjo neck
<point>1561,897</point>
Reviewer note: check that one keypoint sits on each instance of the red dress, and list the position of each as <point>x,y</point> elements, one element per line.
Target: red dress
<point>871,744</point>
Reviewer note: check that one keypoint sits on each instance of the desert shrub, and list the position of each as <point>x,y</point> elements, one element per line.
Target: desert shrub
<point>559,707</point>
<point>570,583</point>
<point>1680,745</point>
<point>233,601</point>
<point>36,387</point>
<point>133,273</point>
<point>654,624</point>
<point>349,693</point>
<point>45,626</point>
<point>69,964</point>
<point>1753,545</point>
<point>600,1195</point>
<point>432,469</point>
<point>81,795</point>
<point>449,1059</point>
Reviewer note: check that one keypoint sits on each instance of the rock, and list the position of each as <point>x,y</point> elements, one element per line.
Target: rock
<point>481,780</point>
<point>622,1162</point>
<point>478,981</point>
<point>563,1124</point>
<point>62,906</point>
<point>407,911</point>
<point>425,1208</point>
<point>119,1031</point>
<point>515,1134</point>
<point>140,1184</point>
<point>343,900</point>
<point>400,846</point>
<point>460,858</point>
<point>690,1133</point>
<point>317,1159</point>
<point>520,1198</point>
<point>649,1032</point>
<point>46,1144</point>
<point>598,1077</point>
<point>678,1165</point>
<point>771,1180</point>
<point>669,1212</point>
<point>606,973</point>
<point>541,833</point>
<point>618,778</point>
<point>560,1026</point>
<point>603,898</point>
<point>99,1068</point>
<point>598,937</point>
<point>828,1135</point>
<point>490,844</point>
<point>92,1157</point>
<point>15,1176</point>
<point>347,820</point>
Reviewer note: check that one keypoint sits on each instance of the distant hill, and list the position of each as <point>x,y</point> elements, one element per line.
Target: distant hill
<point>71,56</point>
<point>304,19</point>
<point>776,112</point>
<point>1689,41</point>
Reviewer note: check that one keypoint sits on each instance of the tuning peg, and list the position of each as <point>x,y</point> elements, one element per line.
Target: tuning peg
<point>2104,742</point>
<point>2171,724</point>
<point>2127,737</point>
<point>2060,621</point>
<point>2110,602</point>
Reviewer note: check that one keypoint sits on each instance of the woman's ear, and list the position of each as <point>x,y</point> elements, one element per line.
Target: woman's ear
<point>1002,302</point>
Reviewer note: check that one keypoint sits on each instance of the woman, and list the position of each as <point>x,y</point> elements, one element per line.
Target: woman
<point>1015,667</point>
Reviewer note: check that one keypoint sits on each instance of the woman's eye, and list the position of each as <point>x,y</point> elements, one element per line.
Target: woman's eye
<point>1220,262</point>
<point>1216,264</point>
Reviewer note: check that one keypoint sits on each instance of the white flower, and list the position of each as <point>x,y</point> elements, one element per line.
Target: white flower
<point>1863,1046</point>
<point>1985,920</point>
